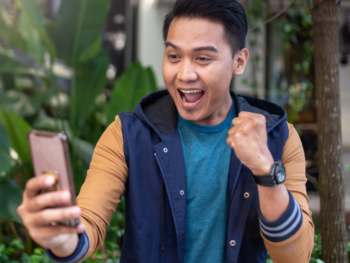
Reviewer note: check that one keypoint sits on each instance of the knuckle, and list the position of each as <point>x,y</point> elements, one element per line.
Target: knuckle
<point>242,114</point>
<point>31,182</point>
<point>43,216</point>
<point>26,222</point>
<point>244,130</point>
<point>20,210</point>
<point>253,121</point>
<point>261,119</point>
<point>67,213</point>
<point>36,201</point>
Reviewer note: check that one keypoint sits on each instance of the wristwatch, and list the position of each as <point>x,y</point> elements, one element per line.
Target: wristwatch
<point>275,177</point>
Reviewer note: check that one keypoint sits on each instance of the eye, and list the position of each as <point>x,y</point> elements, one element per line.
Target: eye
<point>204,59</point>
<point>173,58</point>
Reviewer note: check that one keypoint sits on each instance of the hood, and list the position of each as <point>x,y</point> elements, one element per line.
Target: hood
<point>159,112</point>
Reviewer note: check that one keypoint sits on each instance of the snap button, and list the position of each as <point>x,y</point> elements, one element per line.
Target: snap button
<point>182,192</point>
<point>165,150</point>
<point>232,243</point>
<point>246,195</point>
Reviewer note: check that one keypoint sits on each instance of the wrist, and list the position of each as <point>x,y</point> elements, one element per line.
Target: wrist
<point>264,168</point>
<point>67,248</point>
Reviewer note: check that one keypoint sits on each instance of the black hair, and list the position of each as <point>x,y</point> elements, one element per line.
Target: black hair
<point>229,13</point>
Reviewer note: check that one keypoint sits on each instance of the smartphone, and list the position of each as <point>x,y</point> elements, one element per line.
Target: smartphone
<point>50,155</point>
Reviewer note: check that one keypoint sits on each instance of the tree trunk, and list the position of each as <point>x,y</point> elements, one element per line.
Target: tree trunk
<point>326,47</point>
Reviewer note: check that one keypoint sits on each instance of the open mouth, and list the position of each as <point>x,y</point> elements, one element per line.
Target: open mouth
<point>191,97</point>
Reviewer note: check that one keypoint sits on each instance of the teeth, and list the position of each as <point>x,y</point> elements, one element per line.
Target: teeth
<point>183,98</point>
<point>191,91</point>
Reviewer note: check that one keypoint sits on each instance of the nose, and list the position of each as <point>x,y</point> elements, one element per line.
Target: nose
<point>187,71</point>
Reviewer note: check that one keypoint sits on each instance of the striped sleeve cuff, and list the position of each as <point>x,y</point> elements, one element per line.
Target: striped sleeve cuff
<point>79,253</point>
<point>285,226</point>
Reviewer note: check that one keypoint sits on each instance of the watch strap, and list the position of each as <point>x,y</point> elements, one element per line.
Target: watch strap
<point>264,180</point>
<point>268,180</point>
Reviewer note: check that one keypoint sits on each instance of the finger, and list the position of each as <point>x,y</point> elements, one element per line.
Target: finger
<point>230,142</point>
<point>253,116</point>
<point>47,216</point>
<point>46,232</point>
<point>247,114</point>
<point>51,199</point>
<point>35,184</point>
<point>239,120</point>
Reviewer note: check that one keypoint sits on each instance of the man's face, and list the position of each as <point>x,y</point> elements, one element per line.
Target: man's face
<point>197,69</point>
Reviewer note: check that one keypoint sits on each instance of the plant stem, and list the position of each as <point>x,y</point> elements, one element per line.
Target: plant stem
<point>28,247</point>
<point>13,229</point>
<point>1,235</point>
<point>274,17</point>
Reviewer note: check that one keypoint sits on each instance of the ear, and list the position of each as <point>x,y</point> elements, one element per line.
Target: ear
<point>240,62</point>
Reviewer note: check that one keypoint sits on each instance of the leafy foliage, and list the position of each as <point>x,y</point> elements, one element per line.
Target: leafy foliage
<point>53,76</point>
<point>111,253</point>
<point>294,29</point>
<point>134,84</point>
<point>7,161</point>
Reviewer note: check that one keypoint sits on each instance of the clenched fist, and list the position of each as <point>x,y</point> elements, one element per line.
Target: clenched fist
<point>248,138</point>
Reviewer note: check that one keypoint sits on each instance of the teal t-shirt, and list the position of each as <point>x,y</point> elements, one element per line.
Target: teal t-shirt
<point>207,162</point>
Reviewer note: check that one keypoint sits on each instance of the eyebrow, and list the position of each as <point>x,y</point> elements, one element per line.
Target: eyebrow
<point>198,49</point>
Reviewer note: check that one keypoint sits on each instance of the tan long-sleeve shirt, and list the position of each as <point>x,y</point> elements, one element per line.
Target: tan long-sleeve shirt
<point>108,173</point>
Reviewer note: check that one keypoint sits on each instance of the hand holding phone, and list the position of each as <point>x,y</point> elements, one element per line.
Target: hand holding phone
<point>48,209</point>
<point>50,156</point>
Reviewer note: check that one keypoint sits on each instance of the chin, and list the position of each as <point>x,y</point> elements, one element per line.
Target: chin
<point>189,115</point>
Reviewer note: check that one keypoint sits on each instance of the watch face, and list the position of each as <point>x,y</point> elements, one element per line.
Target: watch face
<point>280,173</point>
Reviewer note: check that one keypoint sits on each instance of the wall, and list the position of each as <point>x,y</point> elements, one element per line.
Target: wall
<point>150,46</point>
<point>344,79</point>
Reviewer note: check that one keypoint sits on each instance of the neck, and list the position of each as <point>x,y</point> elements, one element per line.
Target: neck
<point>220,114</point>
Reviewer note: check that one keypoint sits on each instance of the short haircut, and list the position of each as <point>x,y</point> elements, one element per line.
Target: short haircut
<point>229,13</point>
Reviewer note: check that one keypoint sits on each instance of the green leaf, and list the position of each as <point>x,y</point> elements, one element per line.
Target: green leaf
<point>45,122</point>
<point>35,48</point>
<point>132,85</point>
<point>18,103</point>
<point>10,35</point>
<point>17,243</point>
<point>51,28</point>
<point>83,149</point>
<point>10,64</point>
<point>287,28</point>
<point>39,251</point>
<point>151,80</point>
<point>8,80</point>
<point>10,199</point>
<point>31,9</point>
<point>90,51</point>
<point>6,162</point>
<point>79,24</point>
<point>17,130</point>
<point>88,82</point>
<point>319,260</point>
<point>25,258</point>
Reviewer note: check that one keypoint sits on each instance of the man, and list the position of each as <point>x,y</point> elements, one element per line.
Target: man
<point>201,168</point>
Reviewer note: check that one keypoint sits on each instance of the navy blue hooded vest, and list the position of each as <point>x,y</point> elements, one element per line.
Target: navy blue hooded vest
<point>155,209</point>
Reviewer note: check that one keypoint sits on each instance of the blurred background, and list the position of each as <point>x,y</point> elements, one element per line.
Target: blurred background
<point>73,65</point>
